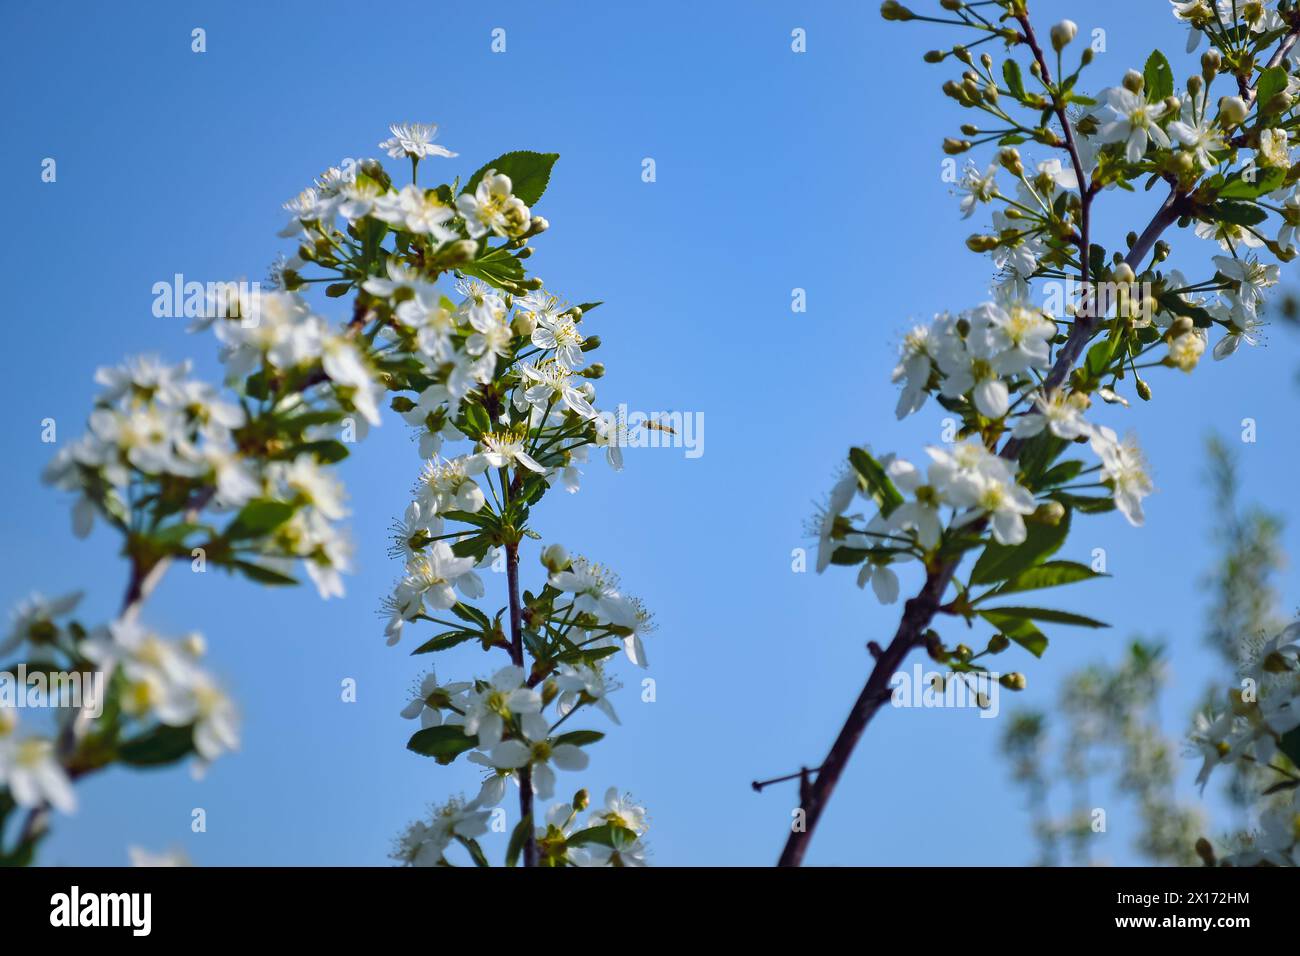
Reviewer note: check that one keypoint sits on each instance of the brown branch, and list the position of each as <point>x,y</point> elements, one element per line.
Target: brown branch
<point>517,657</point>
<point>919,611</point>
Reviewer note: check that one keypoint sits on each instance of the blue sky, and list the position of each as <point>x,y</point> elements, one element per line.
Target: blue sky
<point>775,170</point>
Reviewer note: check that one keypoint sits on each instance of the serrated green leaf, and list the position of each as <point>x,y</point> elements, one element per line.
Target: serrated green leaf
<point>1018,629</point>
<point>1264,181</point>
<point>1159,78</point>
<point>498,268</point>
<point>445,640</point>
<point>468,612</point>
<point>1050,574</point>
<point>529,173</point>
<point>1001,562</point>
<point>1239,213</point>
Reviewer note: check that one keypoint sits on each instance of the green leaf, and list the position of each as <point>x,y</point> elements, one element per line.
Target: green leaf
<point>475,851</point>
<point>1098,359</point>
<point>327,452</point>
<point>876,481</point>
<point>262,574</point>
<point>445,640</point>
<point>579,738</point>
<point>1159,78</point>
<point>1264,181</point>
<point>1239,213</point>
<point>1050,574</point>
<point>849,556</point>
<point>498,267</point>
<point>1037,454</point>
<point>444,743</point>
<point>468,612</point>
<point>1001,562</point>
<point>1176,304</point>
<point>529,173</point>
<point>478,422</point>
<point>156,747</point>
<point>518,836</point>
<point>259,517</point>
<point>1060,474</point>
<point>588,655</point>
<point>1011,75</point>
<point>1018,629</point>
<point>1050,615</point>
<point>1271,82</point>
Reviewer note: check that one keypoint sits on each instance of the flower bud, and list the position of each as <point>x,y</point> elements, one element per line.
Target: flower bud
<point>194,644</point>
<point>891,10</point>
<point>1124,273</point>
<point>998,643</point>
<point>555,557</point>
<point>1232,110</point>
<point>1063,33</point>
<point>1049,513</point>
<point>581,800</point>
<point>523,323</point>
<point>955,147</point>
<point>1009,157</point>
<point>469,497</point>
<point>1013,681</point>
<point>1180,327</point>
<point>979,243</point>
<point>1087,56</point>
<point>934,56</point>
<point>549,692</point>
<point>1134,81</point>
<point>594,370</point>
<point>1211,61</point>
<point>1143,390</point>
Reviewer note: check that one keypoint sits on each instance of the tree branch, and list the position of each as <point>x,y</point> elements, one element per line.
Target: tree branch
<point>517,657</point>
<point>920,610</point>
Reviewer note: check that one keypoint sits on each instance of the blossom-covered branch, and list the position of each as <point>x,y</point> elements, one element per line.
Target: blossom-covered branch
<point>1022,378</point>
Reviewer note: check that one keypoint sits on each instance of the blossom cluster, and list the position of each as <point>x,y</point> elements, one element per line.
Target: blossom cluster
<point>481,356</point>
<point>159,704</point>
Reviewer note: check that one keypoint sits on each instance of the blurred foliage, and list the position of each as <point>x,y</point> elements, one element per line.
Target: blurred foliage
<point>1106,731</point>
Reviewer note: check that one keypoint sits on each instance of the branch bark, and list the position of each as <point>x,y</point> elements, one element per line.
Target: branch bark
<point>517,657</point>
